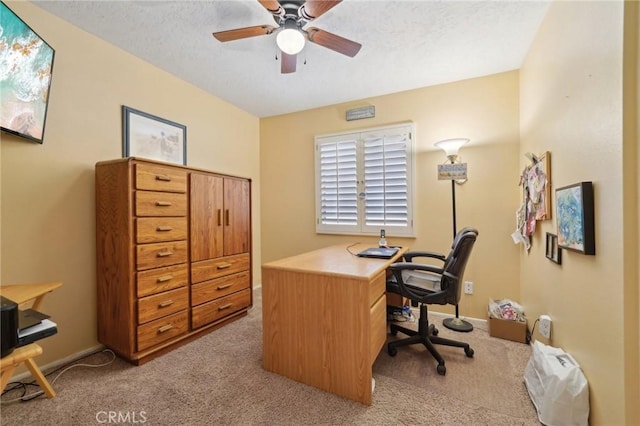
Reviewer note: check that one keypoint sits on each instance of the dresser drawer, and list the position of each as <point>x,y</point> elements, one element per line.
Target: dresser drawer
<point>219,267</point>
<point>210,290</point>
<point>162,330</point>
<point>378,333</point>
<point>162,304</point>
<point>162,279</point>
<point>219,308</point>
<point>159,178</point>
<point>151,203</point>
<point>160,254</point>
<point>159,229</point>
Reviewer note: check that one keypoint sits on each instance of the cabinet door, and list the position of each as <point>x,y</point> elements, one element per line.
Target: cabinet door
<point>237,216</point>
<point>206,216</point>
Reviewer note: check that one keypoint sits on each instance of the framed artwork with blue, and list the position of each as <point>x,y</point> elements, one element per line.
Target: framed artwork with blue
<point>575,218</point>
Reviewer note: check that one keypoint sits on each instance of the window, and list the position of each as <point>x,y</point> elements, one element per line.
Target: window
<point>364,182</point>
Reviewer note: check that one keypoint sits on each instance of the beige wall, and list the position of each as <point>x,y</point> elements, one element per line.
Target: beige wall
<point>484,109</point>
<point>571,104</point>
<point>47,190</point>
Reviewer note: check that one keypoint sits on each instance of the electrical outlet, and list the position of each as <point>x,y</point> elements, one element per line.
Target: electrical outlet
<point>544,322</point>
<point>468,287</point>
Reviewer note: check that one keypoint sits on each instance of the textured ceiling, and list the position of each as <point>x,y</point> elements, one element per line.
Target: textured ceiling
<point>405,45</point>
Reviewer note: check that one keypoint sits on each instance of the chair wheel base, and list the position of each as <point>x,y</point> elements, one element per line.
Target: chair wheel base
<point>392,351</point>
<point>468,352</point>
<point>442,370</point>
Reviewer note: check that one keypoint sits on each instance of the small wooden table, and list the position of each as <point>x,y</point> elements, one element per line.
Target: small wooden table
<point>22,294</point>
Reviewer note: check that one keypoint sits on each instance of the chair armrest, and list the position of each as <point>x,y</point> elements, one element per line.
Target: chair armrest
<point>399,266</point>
<point>418,294</point>
<point>432,254</point>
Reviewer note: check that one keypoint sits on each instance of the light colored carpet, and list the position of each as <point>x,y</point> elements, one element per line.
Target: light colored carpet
<point>218,379</point>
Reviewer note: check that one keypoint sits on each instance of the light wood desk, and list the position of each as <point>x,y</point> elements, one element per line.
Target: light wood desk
<point>324,318</point>
<point>22,294</point>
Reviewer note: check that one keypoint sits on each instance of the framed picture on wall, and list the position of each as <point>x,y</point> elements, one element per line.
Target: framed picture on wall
<point>575,218</point>
<point>148,136</point>
<point>553,252</point>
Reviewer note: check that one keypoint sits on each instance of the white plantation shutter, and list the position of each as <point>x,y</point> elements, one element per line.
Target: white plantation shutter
<point>385,181</point>
<point>364,182</point>
<point>338,183</point>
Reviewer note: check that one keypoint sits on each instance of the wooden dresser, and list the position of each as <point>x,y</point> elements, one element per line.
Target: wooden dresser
<point>173,254</point>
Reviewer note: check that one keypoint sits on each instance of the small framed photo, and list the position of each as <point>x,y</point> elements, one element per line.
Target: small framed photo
<point>575,218</point>
<point>148,136</point>
<point>553,252</point>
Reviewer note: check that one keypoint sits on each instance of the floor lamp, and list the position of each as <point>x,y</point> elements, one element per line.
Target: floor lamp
<point>451,148</point>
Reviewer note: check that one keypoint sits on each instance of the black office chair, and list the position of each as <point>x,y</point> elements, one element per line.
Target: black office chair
<point>426,284</point>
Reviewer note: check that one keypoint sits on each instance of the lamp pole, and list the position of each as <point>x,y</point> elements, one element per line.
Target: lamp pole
<point>451,147</point>
<point>456,324</point>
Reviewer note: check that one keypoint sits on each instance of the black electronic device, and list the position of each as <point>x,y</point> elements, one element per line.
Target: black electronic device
<point>8,325</point>
<point>36,332</point>
<point>29,318</point>
<point>379,252</point>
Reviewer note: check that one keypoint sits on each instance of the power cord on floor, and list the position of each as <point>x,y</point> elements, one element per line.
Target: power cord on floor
<point>13,386</point>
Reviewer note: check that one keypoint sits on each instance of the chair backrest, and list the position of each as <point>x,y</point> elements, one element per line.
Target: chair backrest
<point>455,242</point>
<point>456,263</point>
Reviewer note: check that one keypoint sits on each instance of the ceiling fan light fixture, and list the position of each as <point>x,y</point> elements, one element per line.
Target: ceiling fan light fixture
<point>290,41</point>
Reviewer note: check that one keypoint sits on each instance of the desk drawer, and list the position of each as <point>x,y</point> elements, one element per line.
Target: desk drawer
<point>159,178</point>
<point>162,304</point>
<point>151,203</point>
<point>160,254</point>
<point>219,308</point>
<point>159,229</point>
<point>156,280</point>
<point>378,327</point>
<point>219,267</point>
<point>162,330</point>
<point>214,289</point>
<point>377,287</point>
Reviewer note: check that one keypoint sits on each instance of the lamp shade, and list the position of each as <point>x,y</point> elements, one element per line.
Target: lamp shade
<point>451,146</point>
<point>290,41</point>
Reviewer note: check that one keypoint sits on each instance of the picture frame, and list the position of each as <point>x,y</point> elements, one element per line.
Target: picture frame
<point>544,164</point>
<point>553,252</point>
<point>26,80</point>
<point>152,137</point>
<point>575,218</point>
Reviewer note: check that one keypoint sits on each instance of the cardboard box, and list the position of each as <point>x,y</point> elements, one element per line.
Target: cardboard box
<point>507,329</point>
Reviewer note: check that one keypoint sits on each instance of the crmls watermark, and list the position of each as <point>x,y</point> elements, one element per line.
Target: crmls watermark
<point>120,417</point>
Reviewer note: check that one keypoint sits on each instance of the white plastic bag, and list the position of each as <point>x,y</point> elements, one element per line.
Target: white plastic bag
<point>557,387</point>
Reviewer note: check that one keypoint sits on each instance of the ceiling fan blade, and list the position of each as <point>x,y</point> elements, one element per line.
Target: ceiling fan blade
<point>272,6</point>
<point>288,63</point>
<point>333,42</point>
<point>312,9</point>
<point>239,33</point>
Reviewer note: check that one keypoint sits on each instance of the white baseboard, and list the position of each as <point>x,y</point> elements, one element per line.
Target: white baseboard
<point>58,363</point>
<point>416,311</point>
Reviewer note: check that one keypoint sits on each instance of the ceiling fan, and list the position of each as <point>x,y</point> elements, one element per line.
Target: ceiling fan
<point>292,16</point>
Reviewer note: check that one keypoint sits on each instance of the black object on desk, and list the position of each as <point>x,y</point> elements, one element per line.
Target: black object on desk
<point>379,252</point>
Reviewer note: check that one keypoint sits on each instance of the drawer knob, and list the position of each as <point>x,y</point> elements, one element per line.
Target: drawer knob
<point>163,203</point>
<point>165,303</point>
<point>222,287</point>
<point>165,328</point>
<point>164,228</point>
<point>164,278</point>
<point>223,307</point>
<point>224,265</point>
<point>164,253</point>
<point>163,178</point>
